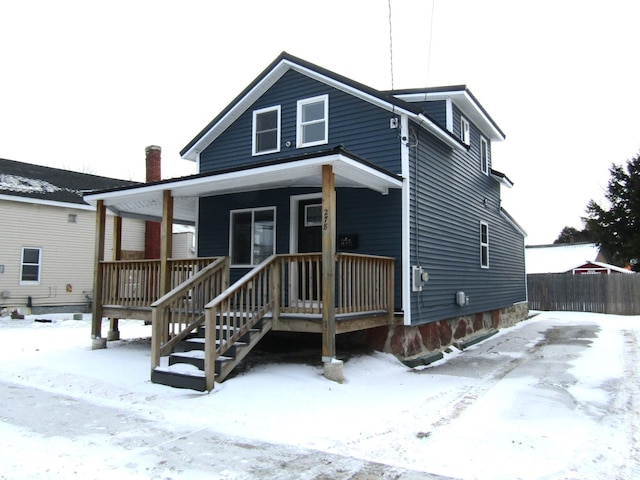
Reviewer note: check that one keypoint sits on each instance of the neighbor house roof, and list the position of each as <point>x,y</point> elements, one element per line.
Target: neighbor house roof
<point>559,257</point>
<point>27,182</point>
<point>390,100</point>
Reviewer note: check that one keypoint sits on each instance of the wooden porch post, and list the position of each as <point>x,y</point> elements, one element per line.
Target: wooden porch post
<point>96,317</point>
<point>332,367</point>
<point>114,332</point>
<point>166,231</point>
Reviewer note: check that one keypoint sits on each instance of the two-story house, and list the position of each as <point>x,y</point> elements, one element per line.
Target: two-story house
<point>333,207</point>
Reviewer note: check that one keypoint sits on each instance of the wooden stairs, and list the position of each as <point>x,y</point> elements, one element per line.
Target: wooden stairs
<point>185,367</point>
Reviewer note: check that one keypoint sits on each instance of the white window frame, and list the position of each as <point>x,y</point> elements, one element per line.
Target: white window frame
<point>300,125</point>
<point>23,264</point>
<point>254,131</point>
<point>484,155</point>
<point>253,212</point>
<point>484,245</point>
<point>465,131</point>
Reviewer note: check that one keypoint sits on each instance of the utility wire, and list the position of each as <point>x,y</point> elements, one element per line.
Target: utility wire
<point>390,45</point>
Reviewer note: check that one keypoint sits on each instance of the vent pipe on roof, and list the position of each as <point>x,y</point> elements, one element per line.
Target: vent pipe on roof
<point>152,233</point>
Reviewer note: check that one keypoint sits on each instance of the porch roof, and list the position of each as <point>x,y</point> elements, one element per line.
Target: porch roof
<point>145,202</point>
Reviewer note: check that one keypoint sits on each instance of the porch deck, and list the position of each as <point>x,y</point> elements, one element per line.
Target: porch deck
<point>284,293</point>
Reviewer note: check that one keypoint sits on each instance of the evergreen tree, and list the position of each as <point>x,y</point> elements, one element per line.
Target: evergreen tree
<point>617,228</point>
<point>573,235</point>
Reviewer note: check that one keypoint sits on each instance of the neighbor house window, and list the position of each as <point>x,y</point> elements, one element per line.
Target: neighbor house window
<point>72,218</point>
<point>465,136</point>
<point>30,265</point>
<point>484,155</point>
<point>313,121</point>
<point>252,235</point>
<point>484,245</point>
<point>266,130</point>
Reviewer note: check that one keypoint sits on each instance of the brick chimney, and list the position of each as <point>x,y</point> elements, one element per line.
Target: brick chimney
<point>152,233</point>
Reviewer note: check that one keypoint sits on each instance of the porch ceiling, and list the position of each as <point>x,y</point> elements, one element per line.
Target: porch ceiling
<point>145,202</point>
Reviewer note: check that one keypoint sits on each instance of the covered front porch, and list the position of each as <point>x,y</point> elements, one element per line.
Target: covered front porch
<point>193,300</point>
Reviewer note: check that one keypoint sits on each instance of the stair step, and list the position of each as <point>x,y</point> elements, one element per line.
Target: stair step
<point>196,359</point>
<point>198,343</point>
<point>180,378</point>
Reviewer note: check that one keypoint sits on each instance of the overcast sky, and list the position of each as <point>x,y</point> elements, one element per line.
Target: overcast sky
<point>87,85</point>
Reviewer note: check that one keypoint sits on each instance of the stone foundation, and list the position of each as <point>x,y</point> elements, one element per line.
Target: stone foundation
<point>410,343</point>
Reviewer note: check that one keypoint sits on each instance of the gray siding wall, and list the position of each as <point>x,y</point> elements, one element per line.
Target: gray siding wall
<point>445,234</point>
<point>360,127</point>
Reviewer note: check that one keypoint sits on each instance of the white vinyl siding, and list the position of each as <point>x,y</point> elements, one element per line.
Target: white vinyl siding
<point>313,121</point>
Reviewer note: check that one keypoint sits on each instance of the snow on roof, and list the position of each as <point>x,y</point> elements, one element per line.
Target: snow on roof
<point>38,183</point>
<point>559,258</point>
<point>17,183</point>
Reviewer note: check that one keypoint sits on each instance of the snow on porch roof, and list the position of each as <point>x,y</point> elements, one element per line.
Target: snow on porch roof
<point>145,202</point>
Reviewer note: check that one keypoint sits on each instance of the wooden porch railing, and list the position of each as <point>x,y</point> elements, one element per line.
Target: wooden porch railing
<point>136,283</point>
<point>181,311</point>
<point>365,283</point>
<point>292,284</point>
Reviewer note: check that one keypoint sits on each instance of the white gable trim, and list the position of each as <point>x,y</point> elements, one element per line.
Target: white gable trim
<point>276,74</point>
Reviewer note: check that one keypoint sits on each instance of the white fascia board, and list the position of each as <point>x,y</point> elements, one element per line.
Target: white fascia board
<point>466,104</point>
<point>513,223</point>
<point>50,203</point>
<point>439,133</point>
<point>234,113</point>
<point>269,174</point>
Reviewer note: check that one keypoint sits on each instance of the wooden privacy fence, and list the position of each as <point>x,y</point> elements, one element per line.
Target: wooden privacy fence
<point>616,294</point>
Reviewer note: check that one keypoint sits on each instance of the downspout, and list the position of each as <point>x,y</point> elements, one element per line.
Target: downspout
<point>406,219</point>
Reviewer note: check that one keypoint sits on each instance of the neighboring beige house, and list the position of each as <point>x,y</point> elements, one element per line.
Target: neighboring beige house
<point>48,236</point>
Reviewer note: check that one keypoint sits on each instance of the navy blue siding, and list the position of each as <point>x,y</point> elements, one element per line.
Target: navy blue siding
<point>360,127</point>
<point>371,216</point>
<point>437,111</point>
<point>450,204</point>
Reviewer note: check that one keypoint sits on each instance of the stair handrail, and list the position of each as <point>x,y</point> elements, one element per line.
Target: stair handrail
<point>245,315</point>
<point>161,343</point>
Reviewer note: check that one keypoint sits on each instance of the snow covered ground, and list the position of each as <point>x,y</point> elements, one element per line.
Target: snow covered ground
<point>555,397</point>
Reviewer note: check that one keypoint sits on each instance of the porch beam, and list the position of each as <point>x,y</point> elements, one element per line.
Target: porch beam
<point>96,317</point>
<point>328,265</point>
<point>166,229</point>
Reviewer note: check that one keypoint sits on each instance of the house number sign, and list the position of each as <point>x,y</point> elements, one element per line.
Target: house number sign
<point>325,219</point>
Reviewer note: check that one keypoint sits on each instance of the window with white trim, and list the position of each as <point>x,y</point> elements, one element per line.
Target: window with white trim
<point>30,265</point>
<point>266,130</point>
<point>253,233</point>
<point>465,136</point>
<point>313,121</point>
<point>484,155</point>
<point>484,244</point>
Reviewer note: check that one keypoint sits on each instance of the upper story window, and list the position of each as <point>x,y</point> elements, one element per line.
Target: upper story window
<point>252,235</point>
<point>266,130</point>
<point>30,265</point>
<point>313,121</point>
<point>484,155</point>
<point>484,245</point>
<point>465,134</point>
